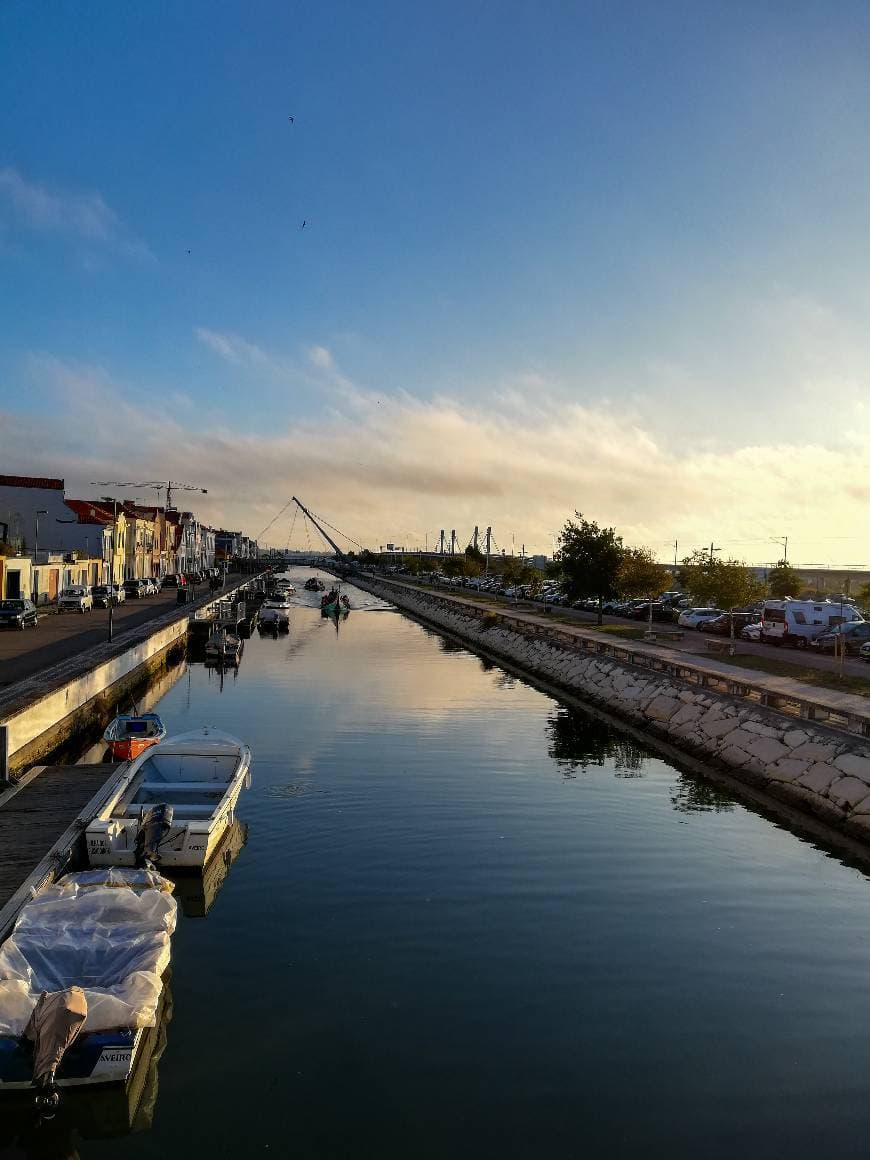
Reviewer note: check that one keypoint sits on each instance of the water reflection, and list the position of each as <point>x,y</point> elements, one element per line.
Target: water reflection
<point>91,1113</point>
<point>578,740</point>
<point>196,893</point>
<point>693,795</point>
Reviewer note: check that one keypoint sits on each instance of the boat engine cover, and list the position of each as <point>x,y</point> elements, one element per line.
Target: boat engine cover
<point>54,1025</point>
<point>155,825</point>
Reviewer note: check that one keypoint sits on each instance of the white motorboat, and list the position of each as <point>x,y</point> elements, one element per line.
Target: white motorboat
<point>275,612</point>
<point>174,804</point>
<point>82,981</point>
<point>223,648</point>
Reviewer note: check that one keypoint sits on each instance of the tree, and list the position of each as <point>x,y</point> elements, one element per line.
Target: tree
<point>589,558</point>
<point>864,594</point>
<point>475,561</point>
<point>784,581</point>
<point>641,575</point>
<point>723,583</point>
<point>453,565</point>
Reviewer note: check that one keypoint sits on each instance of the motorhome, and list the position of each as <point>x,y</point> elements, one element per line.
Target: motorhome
<point>796,622</point>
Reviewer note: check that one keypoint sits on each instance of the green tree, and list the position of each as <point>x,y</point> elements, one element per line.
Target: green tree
<point>864,594</point>
<point>641,575</point>
<point>474,562</point>
<point>453,565</point>
<point>589,558</point>
<point>723,583</point>
<point>784,581</point>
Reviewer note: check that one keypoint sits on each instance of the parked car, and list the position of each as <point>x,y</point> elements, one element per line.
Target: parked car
<point>135,589</point>
<point>75,599</point>
<point>104,594</point>
<point>172,581</point>
<point>721,626</point>
<point>152,587</point>
<point>692,617</point>
<point>659,611</point>
<point>751,631</point>
<point>854,636</point>
<point>18,613</point>
<point>864,651</point>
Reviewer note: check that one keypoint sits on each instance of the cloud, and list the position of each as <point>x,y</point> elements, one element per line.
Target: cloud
<point>402,468</point>
<point>82,216</point>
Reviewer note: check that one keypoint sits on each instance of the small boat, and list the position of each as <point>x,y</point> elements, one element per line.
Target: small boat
<point>176,801</point>
<point>314,585</point>
<point>132,733</point>
<point>82,981</point>
<point>223,648</point>
<point>334,604</point>
<point>275,612</point>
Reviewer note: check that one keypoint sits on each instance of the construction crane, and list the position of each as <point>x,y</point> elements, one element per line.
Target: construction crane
<point>158,483</point>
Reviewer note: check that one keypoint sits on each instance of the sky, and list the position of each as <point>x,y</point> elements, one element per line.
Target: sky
<point>507,261</point>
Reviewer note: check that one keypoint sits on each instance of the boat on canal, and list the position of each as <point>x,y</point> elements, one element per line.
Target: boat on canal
<point>81,982</point>
<point>223,648</point>
<point>334,604</point>
<point>132,733</point>
<point>177,800</point>
<point>314,585</point>
<point>275,612</point>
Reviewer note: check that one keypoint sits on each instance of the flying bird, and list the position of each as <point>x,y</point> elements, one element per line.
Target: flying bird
<point>290,119</point>
<point>302,227</point>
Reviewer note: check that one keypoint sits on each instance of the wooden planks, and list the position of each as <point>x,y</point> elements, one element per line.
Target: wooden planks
<point>37,815</point>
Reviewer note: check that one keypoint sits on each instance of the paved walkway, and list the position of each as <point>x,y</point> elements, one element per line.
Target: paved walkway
<point>693,641</point>
<point>60,636</point>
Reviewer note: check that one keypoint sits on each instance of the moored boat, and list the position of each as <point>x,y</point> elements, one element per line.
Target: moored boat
<point>174,804</point>
<point>82,979</point>
<point>132,733</point>
<point>314,585</point>
<point>223,648</point>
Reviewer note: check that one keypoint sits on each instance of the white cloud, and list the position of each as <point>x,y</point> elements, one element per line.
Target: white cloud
<point>82,216</point>
<point>402,466</point>
<point>320,357</point>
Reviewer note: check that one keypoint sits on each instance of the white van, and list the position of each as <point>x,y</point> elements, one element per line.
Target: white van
<point>796,622</point>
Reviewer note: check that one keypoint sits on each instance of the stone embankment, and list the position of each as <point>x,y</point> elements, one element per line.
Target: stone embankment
<point>819,769</point>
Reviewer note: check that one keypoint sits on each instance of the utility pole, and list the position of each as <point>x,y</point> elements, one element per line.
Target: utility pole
<point>676,546</point>
<point>453,541</point>
<point>712,550</point>
<point>488,547</point>
<point>784,541</point>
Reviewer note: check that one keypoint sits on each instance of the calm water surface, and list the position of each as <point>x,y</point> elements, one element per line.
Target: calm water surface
<point>470,922</point>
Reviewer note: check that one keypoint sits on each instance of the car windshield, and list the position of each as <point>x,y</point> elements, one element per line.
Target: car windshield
<point>11,605</point>
<point>73,592</point>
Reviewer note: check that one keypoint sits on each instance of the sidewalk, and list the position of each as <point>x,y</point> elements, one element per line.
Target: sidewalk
<point>61,636</point>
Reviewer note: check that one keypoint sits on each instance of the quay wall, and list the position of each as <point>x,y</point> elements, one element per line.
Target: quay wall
<point>813,768</point>
<point>42,713</point>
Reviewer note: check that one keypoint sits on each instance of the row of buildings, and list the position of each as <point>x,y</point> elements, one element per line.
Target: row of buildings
<point>49,541</point>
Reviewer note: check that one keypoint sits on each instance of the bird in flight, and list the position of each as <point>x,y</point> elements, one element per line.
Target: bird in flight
<point>304,220</point>
<point>291,120</point>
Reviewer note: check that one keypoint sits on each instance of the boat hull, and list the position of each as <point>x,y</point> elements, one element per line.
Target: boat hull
<point>130,747</point>
<point>99,1057</point>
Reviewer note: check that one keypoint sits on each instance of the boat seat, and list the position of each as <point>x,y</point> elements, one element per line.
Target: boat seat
<point>183,786</point>
<point>180,811</point>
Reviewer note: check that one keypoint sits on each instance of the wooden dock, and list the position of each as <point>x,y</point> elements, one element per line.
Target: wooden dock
<point>35,814</point>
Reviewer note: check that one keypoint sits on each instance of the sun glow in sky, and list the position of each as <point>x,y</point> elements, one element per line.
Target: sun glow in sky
<point>610,257</point>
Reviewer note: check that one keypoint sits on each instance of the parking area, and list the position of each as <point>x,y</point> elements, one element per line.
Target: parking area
<point>61,635</point>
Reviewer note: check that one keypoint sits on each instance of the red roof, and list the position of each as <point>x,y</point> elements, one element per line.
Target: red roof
<point>88,512</point>
<point>31,481</point>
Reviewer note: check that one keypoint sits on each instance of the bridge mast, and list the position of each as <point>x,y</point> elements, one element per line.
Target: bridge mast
<point>323,533</point>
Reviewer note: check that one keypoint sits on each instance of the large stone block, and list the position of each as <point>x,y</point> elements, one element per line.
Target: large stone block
<point>686,715</point>
<point>815,751</point>
<point>662,708</point>
<point>718,726</point>
<point>734,756</point>
<point>818,777</point>
<point>768,749</point>
<point>787,770</point>
<point>761,729</point>
<point>854,764</point>
<point>848,791</point>
<point>740,738</point>
<point>795,737</point>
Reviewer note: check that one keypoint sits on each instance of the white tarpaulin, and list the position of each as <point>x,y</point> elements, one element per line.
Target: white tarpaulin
<point>106,931</point>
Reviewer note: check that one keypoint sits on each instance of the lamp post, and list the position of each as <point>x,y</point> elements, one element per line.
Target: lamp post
<point>40,512</point>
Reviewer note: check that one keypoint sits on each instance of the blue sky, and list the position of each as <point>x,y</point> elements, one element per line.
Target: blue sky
<point>643,222</point>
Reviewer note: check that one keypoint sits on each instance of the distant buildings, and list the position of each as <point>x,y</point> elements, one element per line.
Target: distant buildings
<point>48,542</point>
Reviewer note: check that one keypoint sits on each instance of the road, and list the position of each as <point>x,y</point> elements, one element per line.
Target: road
<point>693,642</point>
<point>61,635</point>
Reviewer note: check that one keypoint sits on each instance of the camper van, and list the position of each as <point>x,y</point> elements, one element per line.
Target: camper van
<point>796,622</point>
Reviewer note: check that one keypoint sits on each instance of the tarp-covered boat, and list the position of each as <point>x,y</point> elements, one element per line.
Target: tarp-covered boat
<point>174,803</point>
<point>132,733</point>
<point>81,979</point>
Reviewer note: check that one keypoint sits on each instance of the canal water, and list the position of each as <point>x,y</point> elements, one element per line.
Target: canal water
<point>471,922</point>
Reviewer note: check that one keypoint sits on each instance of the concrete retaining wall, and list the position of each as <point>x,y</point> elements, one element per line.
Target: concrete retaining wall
<point>815,768</point>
